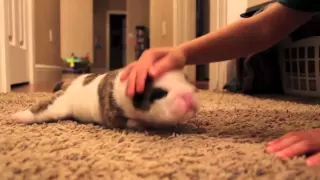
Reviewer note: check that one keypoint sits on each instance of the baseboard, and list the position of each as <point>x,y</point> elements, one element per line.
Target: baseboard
<point>47,73</point>
<point>44,66</point>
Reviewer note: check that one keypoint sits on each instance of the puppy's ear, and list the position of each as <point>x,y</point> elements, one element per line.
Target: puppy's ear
<point>141,100</point>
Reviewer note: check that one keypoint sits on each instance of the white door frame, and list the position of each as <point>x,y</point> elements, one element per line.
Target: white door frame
<point>31,39</point>
<point>4,62</point>
<point>218,19</point>
<point>5,85</point>
<point>184,28</point>
<point>109,13</point>
<point>222,72</point>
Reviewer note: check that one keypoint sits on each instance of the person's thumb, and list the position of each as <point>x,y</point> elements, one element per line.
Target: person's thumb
<point>161,66</point>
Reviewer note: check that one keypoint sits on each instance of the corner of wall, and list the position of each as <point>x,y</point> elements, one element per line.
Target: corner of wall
<point>138,13</point>
<point>47,52</point>
<point>47,73</point>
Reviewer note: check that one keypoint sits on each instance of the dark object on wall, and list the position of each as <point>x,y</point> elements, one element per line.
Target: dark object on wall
<point>142,42</point>
<point>257,73</point>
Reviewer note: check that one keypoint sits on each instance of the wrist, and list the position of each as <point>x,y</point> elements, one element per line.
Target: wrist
<point>179,56</point>
<point>183,53</point>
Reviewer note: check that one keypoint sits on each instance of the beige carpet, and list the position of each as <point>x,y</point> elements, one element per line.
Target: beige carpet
<point>225,141</point>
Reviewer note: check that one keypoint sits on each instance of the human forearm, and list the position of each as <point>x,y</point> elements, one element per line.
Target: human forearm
<point>245,36</point>
<point>236,40</point>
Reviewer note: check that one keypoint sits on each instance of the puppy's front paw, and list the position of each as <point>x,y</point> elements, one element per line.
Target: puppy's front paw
<point>25,117</point>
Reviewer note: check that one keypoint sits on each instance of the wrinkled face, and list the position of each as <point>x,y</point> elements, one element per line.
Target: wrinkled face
<point>168,100</point>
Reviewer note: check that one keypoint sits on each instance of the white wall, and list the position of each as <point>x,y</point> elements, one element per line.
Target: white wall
<point>76,28</point>
<point>138,13</point>
<point>255,2</point>
<point>235,8</point>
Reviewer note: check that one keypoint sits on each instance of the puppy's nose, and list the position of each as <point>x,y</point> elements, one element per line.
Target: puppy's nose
<point>189,100</point>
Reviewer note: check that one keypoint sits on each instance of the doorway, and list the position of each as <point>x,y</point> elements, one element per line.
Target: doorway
<point>16,35</point>
<point>202,28</point>
<point>116,40</point>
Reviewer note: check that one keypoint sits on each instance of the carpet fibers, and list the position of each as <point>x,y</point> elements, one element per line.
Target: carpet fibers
<point>225,141</point>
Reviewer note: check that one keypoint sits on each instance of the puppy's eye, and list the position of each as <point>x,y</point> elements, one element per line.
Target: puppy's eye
<point>158,93</point>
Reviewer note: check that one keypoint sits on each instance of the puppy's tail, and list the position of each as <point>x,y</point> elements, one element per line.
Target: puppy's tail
<point>62,85</point>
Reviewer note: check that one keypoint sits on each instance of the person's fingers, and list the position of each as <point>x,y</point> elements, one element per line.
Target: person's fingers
<point>274,142</point>
<point>131,83</point>
<point>314,160</point>
<point>160,67</point>
<point>136,72</point>
<point>295,149</point>
<point>279,139</point>
<point>140,80</point>
<point>126,71</point>
<point>283,143</point>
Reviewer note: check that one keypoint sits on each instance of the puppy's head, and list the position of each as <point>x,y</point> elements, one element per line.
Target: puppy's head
<point>167,100</point>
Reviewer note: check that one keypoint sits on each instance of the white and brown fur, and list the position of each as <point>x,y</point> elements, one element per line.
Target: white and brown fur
<point>100,98</point>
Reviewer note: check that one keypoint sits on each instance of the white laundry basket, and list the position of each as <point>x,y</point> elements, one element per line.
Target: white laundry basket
<point>299,63</point>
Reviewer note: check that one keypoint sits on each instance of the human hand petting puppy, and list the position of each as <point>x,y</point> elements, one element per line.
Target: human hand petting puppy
<point>298,143</point>
<point>257,34</point>
<point>154,62</point>
<point>159,60</point>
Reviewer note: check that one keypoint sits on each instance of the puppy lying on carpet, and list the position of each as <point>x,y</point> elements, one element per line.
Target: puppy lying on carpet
<point>101,98</point>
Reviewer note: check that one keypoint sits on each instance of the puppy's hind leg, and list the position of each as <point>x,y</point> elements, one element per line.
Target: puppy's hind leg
<point>52,109</point>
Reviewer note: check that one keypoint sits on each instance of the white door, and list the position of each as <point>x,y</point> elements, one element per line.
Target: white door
<point>4,83</point>
<point>17,39</point>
